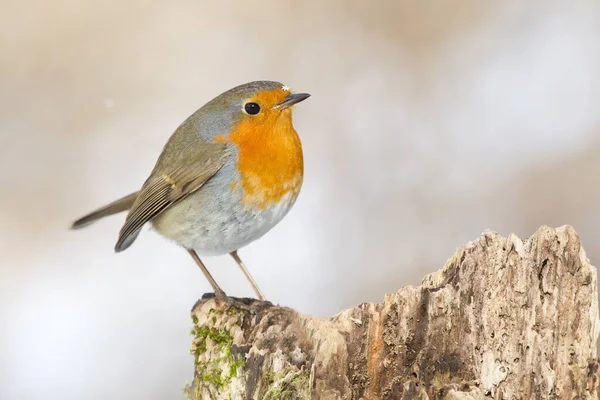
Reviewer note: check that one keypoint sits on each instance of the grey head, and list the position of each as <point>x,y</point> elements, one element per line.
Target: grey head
<point>222,113</point>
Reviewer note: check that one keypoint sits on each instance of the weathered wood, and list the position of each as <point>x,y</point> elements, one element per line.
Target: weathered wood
<point>504,319</point>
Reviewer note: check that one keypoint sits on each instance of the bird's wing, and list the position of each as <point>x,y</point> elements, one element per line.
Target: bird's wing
<point>170,182</point>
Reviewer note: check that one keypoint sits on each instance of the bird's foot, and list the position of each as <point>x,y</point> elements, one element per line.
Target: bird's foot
<point>214,295</point>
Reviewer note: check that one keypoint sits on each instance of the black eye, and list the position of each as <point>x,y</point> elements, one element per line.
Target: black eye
<point>252,108</point>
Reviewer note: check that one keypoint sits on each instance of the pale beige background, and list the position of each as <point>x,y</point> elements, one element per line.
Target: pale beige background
<point>429,122</point>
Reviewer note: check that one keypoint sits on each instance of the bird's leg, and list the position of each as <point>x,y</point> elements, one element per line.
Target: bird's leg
<point>239,262</point>
<point>219,293</point>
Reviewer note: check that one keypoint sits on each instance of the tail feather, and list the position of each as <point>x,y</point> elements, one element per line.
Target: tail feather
<point>117,206</point>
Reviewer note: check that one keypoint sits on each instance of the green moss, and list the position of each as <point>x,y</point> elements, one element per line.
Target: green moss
<point>233,310</point>
<point>220,366</point>
<point>289,384</point>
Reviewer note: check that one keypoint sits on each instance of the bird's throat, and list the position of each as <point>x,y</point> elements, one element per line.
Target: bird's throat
<point>270,160</point>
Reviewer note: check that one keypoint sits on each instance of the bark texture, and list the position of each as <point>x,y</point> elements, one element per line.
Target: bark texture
<point>504,319</point>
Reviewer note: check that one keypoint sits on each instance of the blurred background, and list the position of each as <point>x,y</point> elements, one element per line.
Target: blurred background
<point>429,122</point>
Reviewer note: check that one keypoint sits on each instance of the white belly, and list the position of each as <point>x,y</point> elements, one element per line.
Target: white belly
<point>213,221</point>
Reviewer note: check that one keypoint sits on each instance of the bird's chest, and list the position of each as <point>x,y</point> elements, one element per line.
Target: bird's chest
<point>271,171</point>
<point>221,216</point>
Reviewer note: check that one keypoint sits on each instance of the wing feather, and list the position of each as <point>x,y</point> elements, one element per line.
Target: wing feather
<point>164,189</point>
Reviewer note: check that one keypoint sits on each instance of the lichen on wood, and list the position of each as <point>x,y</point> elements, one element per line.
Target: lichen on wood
<point>503,319</point>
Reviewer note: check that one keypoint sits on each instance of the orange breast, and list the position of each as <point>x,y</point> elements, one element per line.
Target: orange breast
<point>270,159</point>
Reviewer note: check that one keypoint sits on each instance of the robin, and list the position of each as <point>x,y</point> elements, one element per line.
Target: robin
<point>228,174</point>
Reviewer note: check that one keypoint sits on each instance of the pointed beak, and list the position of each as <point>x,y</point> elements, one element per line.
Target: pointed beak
<point>292,99</point>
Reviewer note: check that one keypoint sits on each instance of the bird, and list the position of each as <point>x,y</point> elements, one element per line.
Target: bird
<point>226,176</point>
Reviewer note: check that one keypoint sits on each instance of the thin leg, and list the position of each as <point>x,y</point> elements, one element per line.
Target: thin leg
<point>239,262</point>
<point>218,291</point>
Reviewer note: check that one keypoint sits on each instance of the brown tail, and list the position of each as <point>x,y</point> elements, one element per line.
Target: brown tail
<point>117,206</point>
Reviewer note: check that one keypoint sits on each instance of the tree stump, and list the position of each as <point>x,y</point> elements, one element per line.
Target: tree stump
<point>504,319</point>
